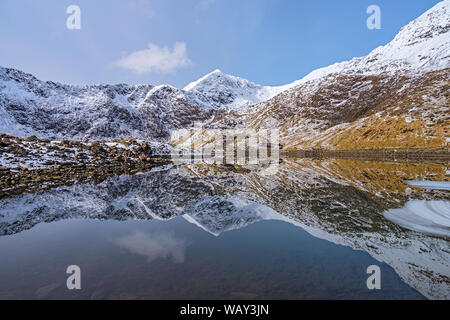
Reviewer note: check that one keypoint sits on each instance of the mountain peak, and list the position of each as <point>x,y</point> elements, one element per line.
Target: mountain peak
<point>195,83</point>
<point>209,78</point>
<point>217,90</point>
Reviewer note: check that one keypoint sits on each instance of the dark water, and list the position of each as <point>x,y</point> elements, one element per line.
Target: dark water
<point>309,230</point>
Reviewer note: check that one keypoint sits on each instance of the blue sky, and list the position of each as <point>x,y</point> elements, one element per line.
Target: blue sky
<point>271,42</point>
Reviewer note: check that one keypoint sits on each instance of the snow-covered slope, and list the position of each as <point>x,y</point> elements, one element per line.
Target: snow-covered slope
<point>29,106</point>
<point>421,46</point>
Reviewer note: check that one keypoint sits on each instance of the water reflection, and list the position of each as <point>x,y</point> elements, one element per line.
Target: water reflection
<point>437,185</point>
<point>154,246</point>
<point>341,201</point>
<point>432,217</point>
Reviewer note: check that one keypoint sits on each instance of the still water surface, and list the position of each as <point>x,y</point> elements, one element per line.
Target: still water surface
<point>307,231</point>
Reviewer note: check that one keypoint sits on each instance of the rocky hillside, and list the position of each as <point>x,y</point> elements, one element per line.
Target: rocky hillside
<point>361,111</point>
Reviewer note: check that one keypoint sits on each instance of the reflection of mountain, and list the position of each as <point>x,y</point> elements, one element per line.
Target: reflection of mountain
<point>337,210</point>
<point>217,214</point>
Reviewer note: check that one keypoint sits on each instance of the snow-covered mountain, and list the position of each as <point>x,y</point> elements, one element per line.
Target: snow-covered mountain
<point>421,46</point>
<point>397,96</point>
<point>401,74</point>
<point>29,106</point>
<point>218,90</point>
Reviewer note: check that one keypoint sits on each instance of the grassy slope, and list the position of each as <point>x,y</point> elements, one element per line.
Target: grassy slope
<point>418,118</point>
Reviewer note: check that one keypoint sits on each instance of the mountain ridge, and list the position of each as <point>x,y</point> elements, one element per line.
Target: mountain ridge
<point>29,106</point>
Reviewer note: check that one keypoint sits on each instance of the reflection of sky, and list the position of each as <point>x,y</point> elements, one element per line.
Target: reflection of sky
<point>268,259</point>
<point>153,246</point>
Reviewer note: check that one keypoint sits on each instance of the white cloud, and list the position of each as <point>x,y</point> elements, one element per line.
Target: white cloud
<point>162,245</point>
<point>156,59</point>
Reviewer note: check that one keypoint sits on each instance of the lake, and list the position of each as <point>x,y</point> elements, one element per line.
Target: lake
<point>304,229</point>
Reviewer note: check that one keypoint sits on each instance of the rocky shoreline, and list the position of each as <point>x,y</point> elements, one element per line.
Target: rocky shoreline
<point>29,165</point>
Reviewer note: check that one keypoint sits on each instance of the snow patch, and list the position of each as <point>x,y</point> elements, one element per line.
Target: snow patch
<point>431,217</point>
<point>436,185</point>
